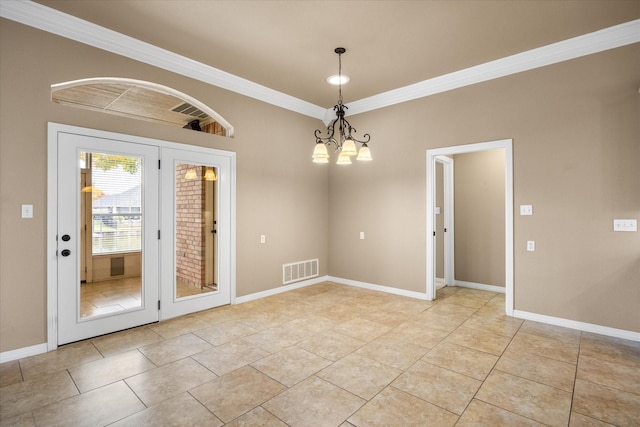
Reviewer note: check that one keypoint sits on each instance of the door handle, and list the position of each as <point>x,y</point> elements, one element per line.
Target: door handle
<point>65,252</point>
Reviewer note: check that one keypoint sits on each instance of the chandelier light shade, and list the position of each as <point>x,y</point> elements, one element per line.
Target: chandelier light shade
<point>339,132</point>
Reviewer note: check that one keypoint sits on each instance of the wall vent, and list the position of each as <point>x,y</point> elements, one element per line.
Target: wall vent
<point>190,110</point>
<point>117,266</point>
<point>296,271</point>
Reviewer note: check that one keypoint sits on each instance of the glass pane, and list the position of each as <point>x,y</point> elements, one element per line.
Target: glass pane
<point>111,221</point>
<point>196,238</point>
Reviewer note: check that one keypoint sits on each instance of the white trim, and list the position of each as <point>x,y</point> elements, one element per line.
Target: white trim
<point>379,288</point>
<point>576,47</point>
<point>481,286</point>
<point>507,145</point>
<point>23,352</point>
<point>59,23</point>
<point>280,289</point>
<point>52,245</point>
<point>153,87</point>
<point>581,326</point>
<point>56,22</point>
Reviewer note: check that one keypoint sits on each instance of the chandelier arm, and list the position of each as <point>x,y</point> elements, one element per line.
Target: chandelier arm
<point>352,129</point>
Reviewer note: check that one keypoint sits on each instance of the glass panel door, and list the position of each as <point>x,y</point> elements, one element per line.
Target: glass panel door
<point>195,222</point>
<point>111,200</point>
<point>193,190</point>
<point>107,236</point>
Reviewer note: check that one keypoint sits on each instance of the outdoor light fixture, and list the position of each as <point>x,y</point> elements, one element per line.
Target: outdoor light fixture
<point>344,142</point>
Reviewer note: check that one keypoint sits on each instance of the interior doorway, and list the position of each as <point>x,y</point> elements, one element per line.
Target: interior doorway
<point>435,156</point>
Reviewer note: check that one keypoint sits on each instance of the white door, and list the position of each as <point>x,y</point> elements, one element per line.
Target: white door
<point>447,230</point>
<point>124,223</point>
<point>196,231</point>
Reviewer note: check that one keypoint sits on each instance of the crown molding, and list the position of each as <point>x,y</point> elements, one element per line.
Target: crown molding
<point>576,47</point>
<point>59,23</point>
<point>55,22</point>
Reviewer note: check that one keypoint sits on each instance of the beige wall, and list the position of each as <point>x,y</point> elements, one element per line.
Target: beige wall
<point>280,193</point>
<point>576,130</point>
<point>575,127</point>
<point>479,217</point>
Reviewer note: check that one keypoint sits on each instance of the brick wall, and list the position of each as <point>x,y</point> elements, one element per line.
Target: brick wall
<point>190,226</point>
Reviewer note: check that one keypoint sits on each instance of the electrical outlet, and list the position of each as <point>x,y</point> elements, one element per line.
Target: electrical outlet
<point>263,238</point>
<point>362,235</point>
<point>526,209</point>
<point>531,245</point>
<point>625,225</point>
<point>27,211</point>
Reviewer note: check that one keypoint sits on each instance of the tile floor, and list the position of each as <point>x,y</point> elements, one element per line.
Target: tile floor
<point>333,355</point>
<point>109,296</point>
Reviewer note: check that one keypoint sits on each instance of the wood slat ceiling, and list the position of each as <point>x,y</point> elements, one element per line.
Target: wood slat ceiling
<point>127,100</point>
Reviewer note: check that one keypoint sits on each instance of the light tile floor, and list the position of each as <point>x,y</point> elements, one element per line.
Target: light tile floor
<point>333,355</point>
<point>109,296</point>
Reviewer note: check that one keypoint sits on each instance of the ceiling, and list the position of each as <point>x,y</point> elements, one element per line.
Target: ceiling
<point>288,45</point>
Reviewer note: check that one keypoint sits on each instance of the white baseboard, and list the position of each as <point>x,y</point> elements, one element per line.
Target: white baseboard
<point>33,350</point>
<point>380,288</point>
<point>481,286</point>
<point>20,353</point>
<point>280,289</point>
<point>581,326</point>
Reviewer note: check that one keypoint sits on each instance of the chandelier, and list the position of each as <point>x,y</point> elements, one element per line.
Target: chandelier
<point>344,142</point>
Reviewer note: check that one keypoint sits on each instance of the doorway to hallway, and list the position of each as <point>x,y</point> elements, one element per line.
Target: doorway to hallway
<point>437,155</point>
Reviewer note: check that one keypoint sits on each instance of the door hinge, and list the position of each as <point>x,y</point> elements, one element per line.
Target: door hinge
<point>158,304</point>
<point>158,234</point>
<point>434,234</point>
<point>158,163</point>
<point>445,230</point>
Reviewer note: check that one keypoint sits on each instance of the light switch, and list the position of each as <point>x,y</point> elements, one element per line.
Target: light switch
<point>263,238</point>
<point>625,225</point>
<point>27,211</point>
<point>362,235</point>
<point>531,245</point>
<point>526,209</point>
<point>437,210</point>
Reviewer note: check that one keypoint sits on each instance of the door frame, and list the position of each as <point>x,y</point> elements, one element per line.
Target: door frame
<point>52,209</point>
<point>507,145</point>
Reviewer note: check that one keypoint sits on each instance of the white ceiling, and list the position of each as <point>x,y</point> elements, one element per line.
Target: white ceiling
<point>288,45</point>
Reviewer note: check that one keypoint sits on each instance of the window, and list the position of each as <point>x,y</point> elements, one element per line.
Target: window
<point>116,202</point>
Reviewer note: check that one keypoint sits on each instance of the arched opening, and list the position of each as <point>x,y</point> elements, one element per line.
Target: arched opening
<point>141,100</point>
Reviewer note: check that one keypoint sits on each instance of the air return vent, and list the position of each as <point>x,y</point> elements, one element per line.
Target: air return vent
<point>117,266</point>
<point>190,110</point>
<point>301,270</point>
